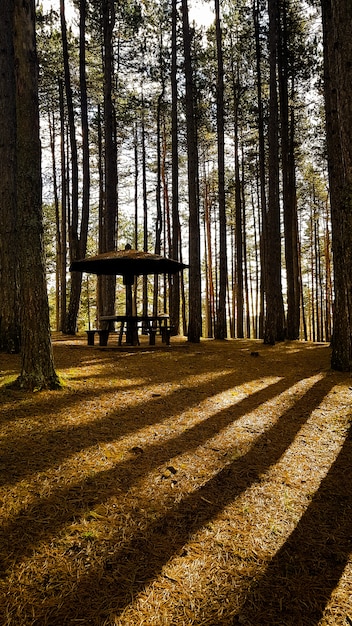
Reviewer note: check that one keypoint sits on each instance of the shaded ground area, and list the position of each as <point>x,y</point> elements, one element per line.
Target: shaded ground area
<point>200,484</point>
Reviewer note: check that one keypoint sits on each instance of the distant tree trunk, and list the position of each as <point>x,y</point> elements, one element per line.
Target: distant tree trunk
<point>210,301</point>
<point>312,275</point>
<point>159,215</point>
<point>287,130</point>
<point>274,322</point>
<point>76,277</point>
<point>176,235</point>
<point>136,175</point>
<point>63,255</point>
<point>109,225</point>
<point>195,308</point>
<point>145,210</point>
<point>101,208</point>
<point>37,359</point>
<point>317,279</point>
<point>328,304</point>
<point>51,124</point>
<point>245,264</point>
<point>221,326</point>
<point>337,19</point>
<point>238,215</point>
<point>85,131</point>
<point>303,308</point>
<point>262,166</point>
<point>9,319</point>
<point>257,272</point>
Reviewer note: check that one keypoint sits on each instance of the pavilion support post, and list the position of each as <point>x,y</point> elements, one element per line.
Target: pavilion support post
<point>131,326</point>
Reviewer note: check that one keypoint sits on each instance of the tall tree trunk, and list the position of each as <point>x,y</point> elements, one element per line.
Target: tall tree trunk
<point>145,209</point>
<point>238,212</point>
<point>195,308</point>
<point>9,320</point>
<point>262,166</point>
<point>317,278</point>
<point>312,275</point>
<point>51,125</point>
<point>176,234</point>
<point>210,301</point>
<point>36,352</point>
<point>159,215</point>
<point>63,255</point>
<point>85,131</point>
<point>101,211</point>
<point>287,131</point>
<point>136,175</point>
<point>257,272</point>
<point>274,323</point>
<point>245,263</point>
<point>337,18</point>
<point>76,277</point>
<point>108,283</point>
<point>328,304</point>
<point>221,326</point>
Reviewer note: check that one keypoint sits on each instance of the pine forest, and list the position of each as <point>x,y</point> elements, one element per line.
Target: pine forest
<point>203,143</point>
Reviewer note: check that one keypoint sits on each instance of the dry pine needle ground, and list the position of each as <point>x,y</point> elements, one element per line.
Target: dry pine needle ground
<point>200,484</point>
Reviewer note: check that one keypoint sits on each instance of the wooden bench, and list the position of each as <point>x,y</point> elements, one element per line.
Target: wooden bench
<point>103,336</point>
<point>150,327</point>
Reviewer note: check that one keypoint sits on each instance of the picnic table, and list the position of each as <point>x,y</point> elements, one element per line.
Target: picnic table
<point>151,325</point>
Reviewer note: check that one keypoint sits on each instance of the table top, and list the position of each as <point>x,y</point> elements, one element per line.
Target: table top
<point>134,318</point>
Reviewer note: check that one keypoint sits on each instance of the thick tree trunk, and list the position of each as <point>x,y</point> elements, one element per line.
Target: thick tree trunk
<point>337,19</point>
<point>9,320</point>
<point>37,359</point>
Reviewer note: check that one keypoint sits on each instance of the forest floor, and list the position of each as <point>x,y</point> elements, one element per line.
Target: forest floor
<point>205,484</point>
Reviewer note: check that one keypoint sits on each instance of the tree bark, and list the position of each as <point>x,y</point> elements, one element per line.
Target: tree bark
<point>274,322</point>
<point>176,235</point>
<point>287,131</point>
<point>63,241</point>
<point>109,225</point>
<point>262,166</point>
<point>145,208</point>
<point>37,359</point>
<point>337,17</point>
<point>195,309</point>
<point>76,277</point>
<point>9,320</point>
<point>221,326</point>
<point>238,211</point>
<point>85,131</point>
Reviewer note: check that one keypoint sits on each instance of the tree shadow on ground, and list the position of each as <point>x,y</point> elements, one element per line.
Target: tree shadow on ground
<point>323,536</point>
<point>143,556</point>
<point>131,559</point>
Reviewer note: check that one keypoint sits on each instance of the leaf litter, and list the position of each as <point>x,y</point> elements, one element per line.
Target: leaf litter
<point>180,485</point>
